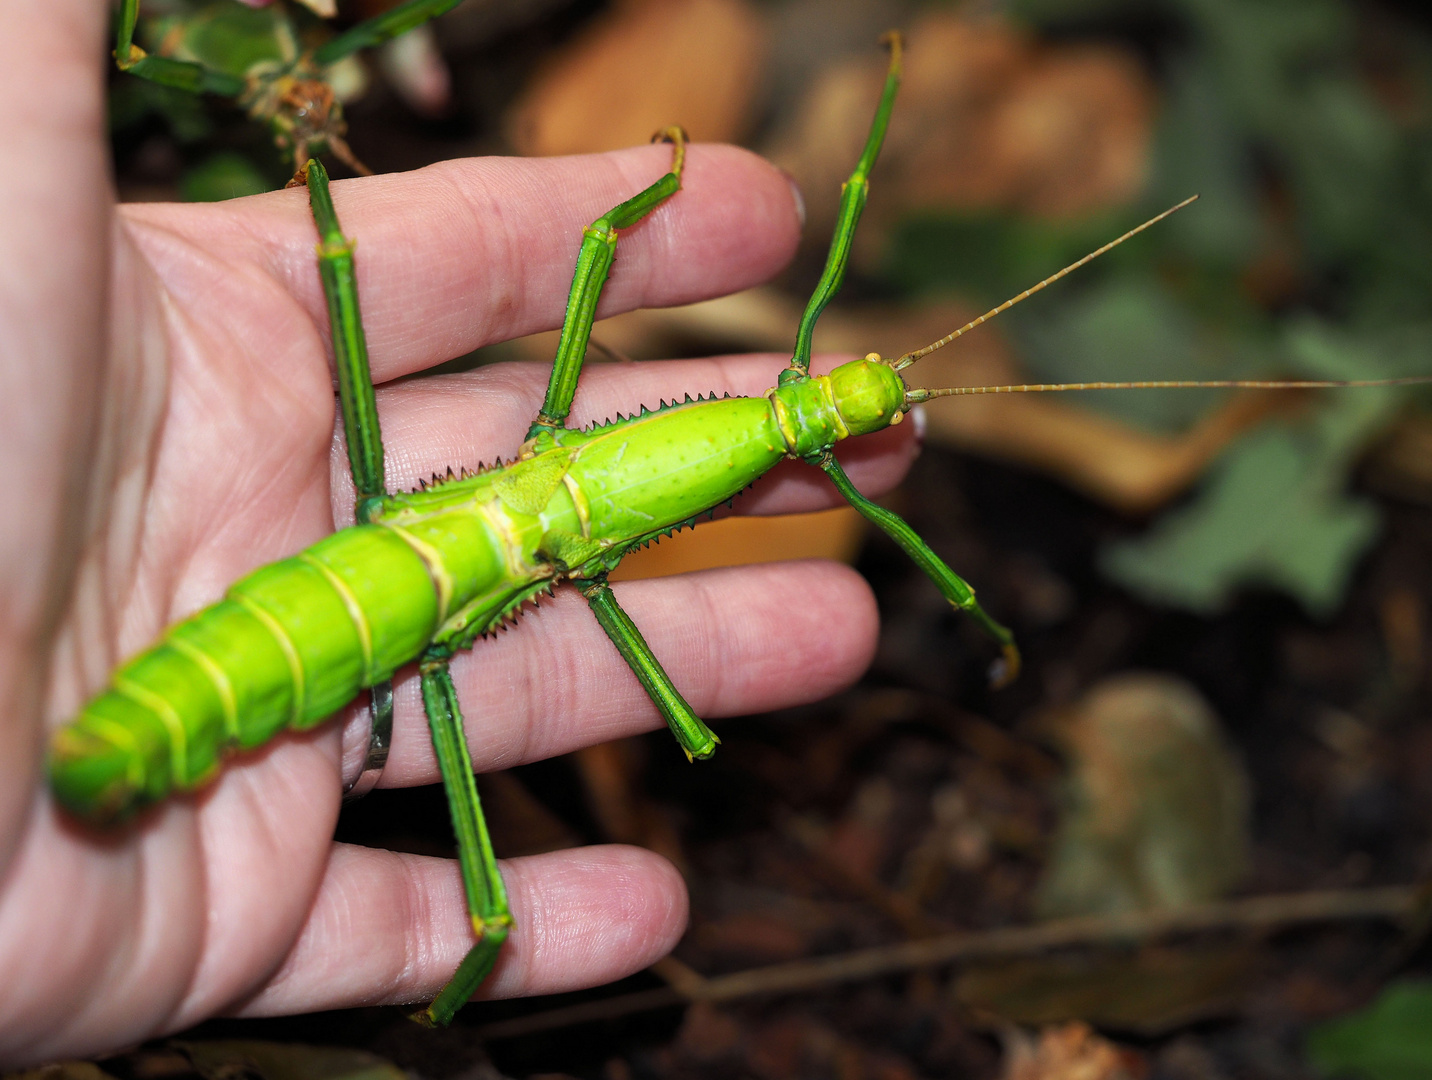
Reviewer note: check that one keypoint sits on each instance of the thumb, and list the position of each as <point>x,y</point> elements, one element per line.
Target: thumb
<point>54,256</point>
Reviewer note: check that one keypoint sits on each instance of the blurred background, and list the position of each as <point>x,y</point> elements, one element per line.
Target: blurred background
<point>1222,598</point>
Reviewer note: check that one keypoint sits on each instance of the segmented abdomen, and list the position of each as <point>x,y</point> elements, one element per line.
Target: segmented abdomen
<point>288,645</point>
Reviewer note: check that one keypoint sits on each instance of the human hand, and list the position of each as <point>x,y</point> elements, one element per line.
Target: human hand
<point>168,425</point>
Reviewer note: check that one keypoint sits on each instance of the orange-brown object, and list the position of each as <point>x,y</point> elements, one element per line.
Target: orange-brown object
<point>647,64</point>
<point>1402,463</point>
<point>989,120</point>
<point>1066,1052</point>
<point>739,541</point>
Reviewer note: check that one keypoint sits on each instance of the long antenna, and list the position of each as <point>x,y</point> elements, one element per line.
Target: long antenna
<point>910,357</point>
<point>914,397</point>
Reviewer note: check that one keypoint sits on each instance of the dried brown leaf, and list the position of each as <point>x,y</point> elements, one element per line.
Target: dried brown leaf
<point>1068,1052</point>
<point>641,68</point>
<point>987,120</point>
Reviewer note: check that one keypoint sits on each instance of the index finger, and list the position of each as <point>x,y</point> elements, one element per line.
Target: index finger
<point>466,253</point>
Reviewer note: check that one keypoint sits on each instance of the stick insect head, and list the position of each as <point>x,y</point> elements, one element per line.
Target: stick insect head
<point>869,394</point>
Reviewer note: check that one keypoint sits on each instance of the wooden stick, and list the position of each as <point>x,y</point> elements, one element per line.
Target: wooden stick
<point>1394,903</point>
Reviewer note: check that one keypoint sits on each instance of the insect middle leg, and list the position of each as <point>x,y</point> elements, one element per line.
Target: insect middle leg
<point>594,261</point>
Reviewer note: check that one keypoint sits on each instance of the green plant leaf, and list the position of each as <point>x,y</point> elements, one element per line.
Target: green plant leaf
<point>1274,512</point>
<point>1391,1039</point>
<point>1154,809</point>
<point>222,176</point>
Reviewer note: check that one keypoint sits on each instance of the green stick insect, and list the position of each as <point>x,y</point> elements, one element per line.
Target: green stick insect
<point>268,63</point>
<point>425,573</point>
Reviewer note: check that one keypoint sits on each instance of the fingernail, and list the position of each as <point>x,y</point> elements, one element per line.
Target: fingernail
<point>921,422</point>
<point>798,197</point>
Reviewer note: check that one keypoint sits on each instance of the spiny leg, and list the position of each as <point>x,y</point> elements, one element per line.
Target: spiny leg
<point>481,880</point>
<point>195,78</point>
<point>358,404</point>
<point>852,201</point>
<point>594,261</point>
<point>698,740</point>
<point>952,587</point>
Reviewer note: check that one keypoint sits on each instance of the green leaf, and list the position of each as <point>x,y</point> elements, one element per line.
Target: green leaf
<point>133,100</point>
<point>1154,809</point>
<point>992,256</point>
<point>1198,149</point>
<point>1265,518</point>
<point>1273,513</point>
<point>1391,1039</point>
<point>222,176</point>
<point>1126,328</point>
<point>226,37</point>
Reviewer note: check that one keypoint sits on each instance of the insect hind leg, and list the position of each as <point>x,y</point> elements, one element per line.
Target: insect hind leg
<point>357,401</point>
<point>481,879</point>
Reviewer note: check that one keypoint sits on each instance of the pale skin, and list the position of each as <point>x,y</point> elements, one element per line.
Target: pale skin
<point>167,424</point>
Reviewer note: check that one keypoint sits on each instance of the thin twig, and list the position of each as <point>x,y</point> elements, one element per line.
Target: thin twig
<point>904,912</point>
<point>1277,911</point>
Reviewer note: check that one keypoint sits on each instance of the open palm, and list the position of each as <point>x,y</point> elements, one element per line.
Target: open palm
<point>168,425</point>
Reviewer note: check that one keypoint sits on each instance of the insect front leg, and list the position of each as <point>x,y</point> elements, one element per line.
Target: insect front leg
<point>952,587</point>
<point>853,194</point>
<point>481,880</point>
<point>594,261</point>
